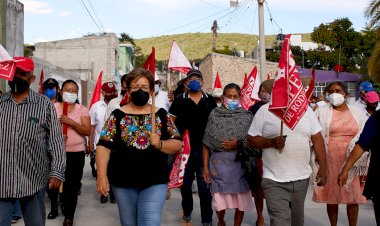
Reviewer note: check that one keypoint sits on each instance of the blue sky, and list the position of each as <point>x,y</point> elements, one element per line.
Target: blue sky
<point>49,20</point>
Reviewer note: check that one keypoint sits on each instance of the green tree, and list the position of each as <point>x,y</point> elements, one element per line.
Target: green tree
<point>344,43</point>
<point>374,61</point>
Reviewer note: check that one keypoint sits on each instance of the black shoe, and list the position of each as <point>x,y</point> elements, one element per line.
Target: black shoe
<point>103,199</point>
<point>53,214</point>
<point>68,222</point>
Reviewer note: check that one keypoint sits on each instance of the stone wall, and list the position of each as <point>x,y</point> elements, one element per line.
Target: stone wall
<point>11,30</point>
<point>61,75</point>
<point>86,56</point>
<point>231,69</point>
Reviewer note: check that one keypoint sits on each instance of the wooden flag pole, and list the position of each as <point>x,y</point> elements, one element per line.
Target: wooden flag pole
<point>153,112</point>
<point>168,82</point>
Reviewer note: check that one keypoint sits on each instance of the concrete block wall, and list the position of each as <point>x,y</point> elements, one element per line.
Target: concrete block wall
<point>87,56</point>
<point>231,69</point>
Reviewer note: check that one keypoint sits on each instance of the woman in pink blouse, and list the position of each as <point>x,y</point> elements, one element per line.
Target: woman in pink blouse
<point>75,120</point>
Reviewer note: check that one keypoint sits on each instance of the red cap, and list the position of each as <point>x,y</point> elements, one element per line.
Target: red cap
<point>108,87</point>
<point>372,97</point>
<point>25,64</point>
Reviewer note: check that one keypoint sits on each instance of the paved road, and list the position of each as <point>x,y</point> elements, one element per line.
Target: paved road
<point>91,213</point>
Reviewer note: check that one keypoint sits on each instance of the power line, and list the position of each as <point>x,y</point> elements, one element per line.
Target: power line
<point>91,16</point>
<point>191,23</point>
<point>96,15</point>
<point>271,17</point>
<point>211,4</point>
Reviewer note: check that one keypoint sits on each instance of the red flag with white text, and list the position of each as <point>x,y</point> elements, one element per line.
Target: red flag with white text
<point>217,83</point>
<point>7,65</point>
<point>310,89</point>
<point>97,90</point>
<point>150,63</point>
<point>177,60</point>
<point>178,171</point>
<point>288,101</point>
<point>249,91</point>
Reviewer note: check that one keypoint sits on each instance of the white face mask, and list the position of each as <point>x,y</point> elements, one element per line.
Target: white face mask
<point>218,104</point>
<point>336,99</point>
<point>69,97</point>
<point>312,105</point>
<point>156,88</point>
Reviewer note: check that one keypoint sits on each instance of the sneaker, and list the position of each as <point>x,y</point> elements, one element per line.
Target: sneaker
<point>15,219</point>
<point>206,224</point>
<point>186,219</point>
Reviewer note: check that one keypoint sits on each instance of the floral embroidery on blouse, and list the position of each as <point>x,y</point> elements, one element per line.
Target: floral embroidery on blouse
<point>172,129</point>
<point>109,129</point>
<point>134,130</point>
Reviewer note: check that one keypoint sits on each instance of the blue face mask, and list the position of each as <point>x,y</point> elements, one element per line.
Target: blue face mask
<point>232,104</point>
<point>194,85</point>
<point>50,93</point>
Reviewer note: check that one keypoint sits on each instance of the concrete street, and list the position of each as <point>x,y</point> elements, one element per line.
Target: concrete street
<point>90,212</point>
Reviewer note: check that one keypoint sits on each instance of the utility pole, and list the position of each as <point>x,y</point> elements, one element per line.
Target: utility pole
<point>262,41</point>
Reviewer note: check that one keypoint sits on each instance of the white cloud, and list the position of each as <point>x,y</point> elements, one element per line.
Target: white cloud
<point>64,13</point>
<point>75,33</point>
<point>37,7</point>
<point>41,39</point>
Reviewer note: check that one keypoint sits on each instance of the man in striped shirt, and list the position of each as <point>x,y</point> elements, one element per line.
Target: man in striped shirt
<point>29,130</point>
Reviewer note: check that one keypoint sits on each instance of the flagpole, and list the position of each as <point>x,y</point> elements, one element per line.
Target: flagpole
<point>168,82</point>
<point>262,40</point>
<point>153,112</point>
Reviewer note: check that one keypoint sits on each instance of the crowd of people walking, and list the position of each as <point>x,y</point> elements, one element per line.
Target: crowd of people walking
<point>236,154</point>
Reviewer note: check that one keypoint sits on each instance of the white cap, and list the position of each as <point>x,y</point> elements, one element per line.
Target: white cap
<point>217,92</point>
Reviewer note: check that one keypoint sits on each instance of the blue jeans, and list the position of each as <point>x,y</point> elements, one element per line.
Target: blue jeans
<point>17,210</point>
<point>141,206</point>
<point>33,209</point>
<point>195,167</point>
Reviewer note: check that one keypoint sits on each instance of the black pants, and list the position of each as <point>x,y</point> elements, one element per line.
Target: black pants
<point>194,166</point>
<point>72,183</point>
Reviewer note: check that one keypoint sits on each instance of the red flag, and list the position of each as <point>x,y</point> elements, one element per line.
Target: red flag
<point>7,65</point>
<point>179,166</point>
<point>249,91</point>
<point>310,90</point>
<point>97,90</point>
<point>41,89</point>
<point>288,101</point>
<point>65,107</point>
<point>150,63</point>
<point>177,60</point>
<point>245,80</point>
<point>217,84</point>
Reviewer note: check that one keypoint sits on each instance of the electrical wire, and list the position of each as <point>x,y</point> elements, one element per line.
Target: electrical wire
<point>91,16</point>
<point>96,15</point>
<point>271,17</point>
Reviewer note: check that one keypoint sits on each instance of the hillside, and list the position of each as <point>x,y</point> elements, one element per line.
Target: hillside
<point>198,45</point>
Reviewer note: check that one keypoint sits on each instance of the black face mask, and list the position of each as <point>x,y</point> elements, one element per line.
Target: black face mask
<point>108,98</point>
<point>139,98</point>
<point>123,92</point>
<point>18,85</point>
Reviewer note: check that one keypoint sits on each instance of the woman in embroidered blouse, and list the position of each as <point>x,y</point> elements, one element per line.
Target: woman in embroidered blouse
<point>77,121</point>
<point>225,134</point>
<point>132,159</point>
<point>340,124</point>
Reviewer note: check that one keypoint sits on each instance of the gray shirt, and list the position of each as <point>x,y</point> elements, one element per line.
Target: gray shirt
<point>25,130</point>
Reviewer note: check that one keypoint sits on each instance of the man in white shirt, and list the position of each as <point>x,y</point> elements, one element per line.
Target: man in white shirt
<point>364,88</point>
<point>162,100</point>
<point>97,115</point>
<point>115,103</point>
<point>286,168</point>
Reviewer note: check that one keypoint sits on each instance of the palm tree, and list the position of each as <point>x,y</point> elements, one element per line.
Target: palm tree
<point>372,12</point>
<point>374,61</point>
